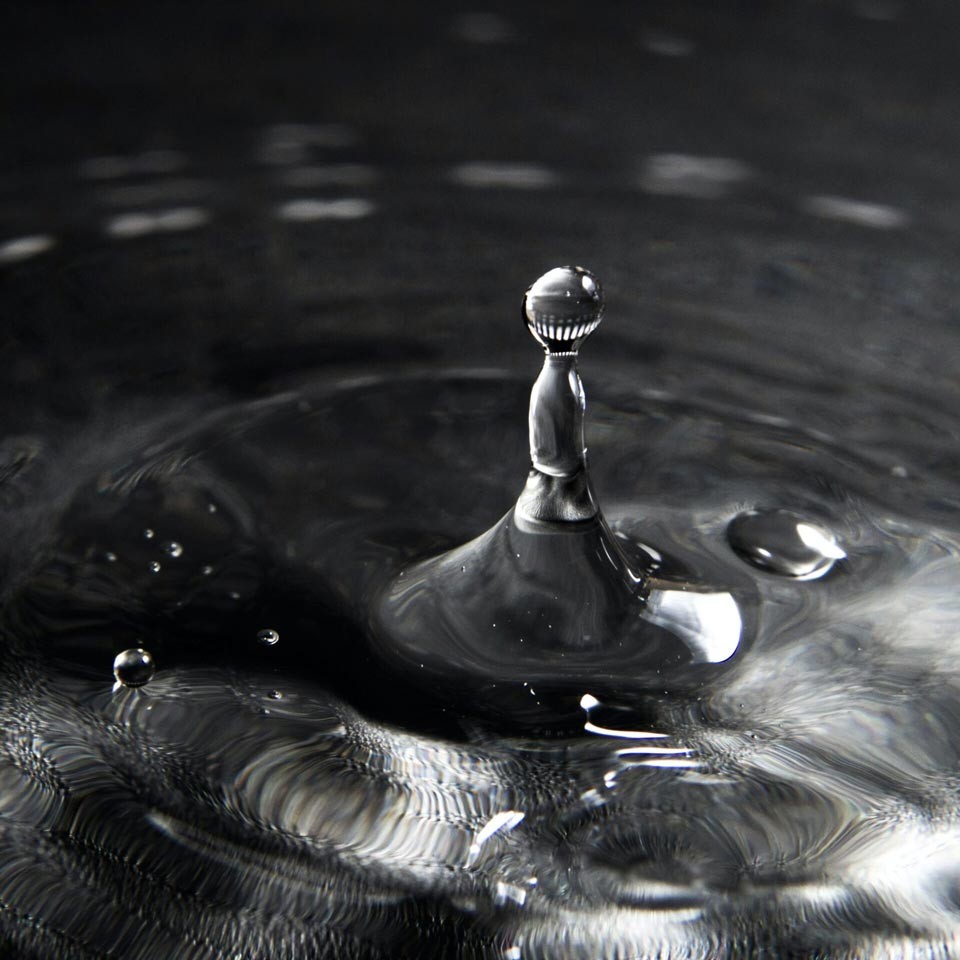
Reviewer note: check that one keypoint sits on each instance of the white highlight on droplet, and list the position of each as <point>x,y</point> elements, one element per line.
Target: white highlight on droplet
<point>518,176</point>
<point>23,248</point>
<point>709,623</point>
<point>127,226</point>
<point>588,701</point>
<point>482,27</point>
<point>879,216</point>
<point>814,538</point>
<point>502,822</point>
<point>307,209</point>
<point>682,175</point>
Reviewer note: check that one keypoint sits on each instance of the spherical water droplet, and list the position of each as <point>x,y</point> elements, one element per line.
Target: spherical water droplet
<point>563,308</point>
<point>134,667</point>
<point>268,637</point>
<point>148,534</point>
<point>155,566</point>
<point>173,549</point>
<point>784,542</point>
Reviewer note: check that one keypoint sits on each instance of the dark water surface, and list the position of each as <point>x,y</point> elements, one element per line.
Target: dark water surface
<point>259,287</point>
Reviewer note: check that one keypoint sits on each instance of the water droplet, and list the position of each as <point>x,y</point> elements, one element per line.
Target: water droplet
<point>148,534</point>
<point>155,566</point>
<point>134,667</point>
<point>563,308</point>
<point>784,542</point>
<point>268,637</point>
<point>173,549</point>
<point>275,695</point>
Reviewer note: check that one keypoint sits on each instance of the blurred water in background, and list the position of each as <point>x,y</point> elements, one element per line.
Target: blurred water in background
<point>259,288</point>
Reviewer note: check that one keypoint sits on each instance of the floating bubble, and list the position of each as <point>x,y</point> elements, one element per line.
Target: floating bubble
<point>134,667</point>
<point>268,637</point>
<point>155,566</point>
<point>173,549</point>
<point>784,542</point>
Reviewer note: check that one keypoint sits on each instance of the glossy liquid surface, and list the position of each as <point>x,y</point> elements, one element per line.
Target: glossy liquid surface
<point>307,771</point>
<point>260,273</point>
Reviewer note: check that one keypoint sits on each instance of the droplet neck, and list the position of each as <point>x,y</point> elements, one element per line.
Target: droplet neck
<point>557,404</point>
<point>558,487</point>
<point>561,310</point>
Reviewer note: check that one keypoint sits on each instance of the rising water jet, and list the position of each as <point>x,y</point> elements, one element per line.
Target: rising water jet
<point>549,599</point>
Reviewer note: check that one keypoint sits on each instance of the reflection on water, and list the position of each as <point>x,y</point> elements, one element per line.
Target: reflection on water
<point>268,797</point>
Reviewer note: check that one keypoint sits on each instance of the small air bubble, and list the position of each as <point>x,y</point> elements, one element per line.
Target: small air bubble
<point>111,557</point>
<point>134,667</point>
<point>207,570</point>
<point>268,637</point>
<point>275,695</point>
<point>148,534</point>
<point>155,566</point>
<point>173,549</point>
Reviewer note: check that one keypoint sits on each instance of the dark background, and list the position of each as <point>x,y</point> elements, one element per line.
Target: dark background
<point>849,99</point>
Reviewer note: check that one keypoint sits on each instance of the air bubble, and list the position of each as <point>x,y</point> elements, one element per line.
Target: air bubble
<point>784,542</point>
<point>173,549</point>
<point>268,637</point>
<point>134,667</point>
<point>155,566</point>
